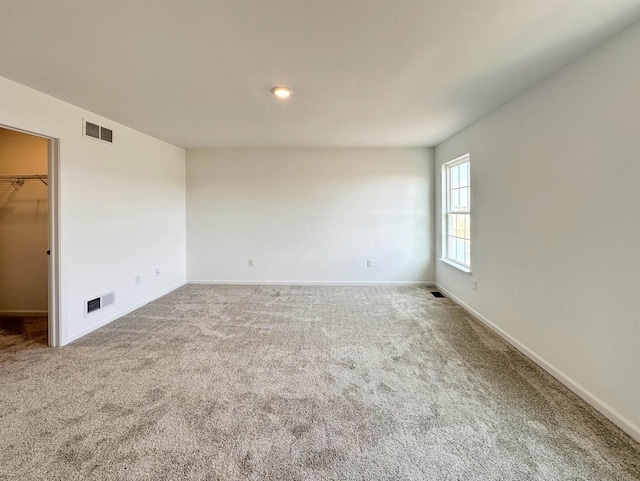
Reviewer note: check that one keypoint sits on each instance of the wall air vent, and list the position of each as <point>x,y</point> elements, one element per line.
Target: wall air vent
<point>92,130</point>
<point>99,303</point>
<point>93,305</point>
<point>108,299</point>
<point>106,134</point>
<point>97,132</point>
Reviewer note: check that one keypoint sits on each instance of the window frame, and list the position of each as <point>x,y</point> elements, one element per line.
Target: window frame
<point>447,211</point>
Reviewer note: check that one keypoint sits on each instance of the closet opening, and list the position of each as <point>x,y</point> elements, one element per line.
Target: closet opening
<point>28,317</point>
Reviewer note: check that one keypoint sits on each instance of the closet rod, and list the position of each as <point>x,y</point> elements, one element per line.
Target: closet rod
<point>21,178</point>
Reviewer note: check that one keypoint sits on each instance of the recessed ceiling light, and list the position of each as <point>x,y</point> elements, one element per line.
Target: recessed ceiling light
<point>282,92</point>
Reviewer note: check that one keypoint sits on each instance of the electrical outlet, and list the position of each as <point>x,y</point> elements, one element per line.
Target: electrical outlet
<point>137,280</point>
<point>475,284</point>
<point>157,272</point>
<point>251,264</point>
<point>369,262</point>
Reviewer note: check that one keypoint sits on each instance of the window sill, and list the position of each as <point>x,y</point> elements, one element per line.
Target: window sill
<point>460,267</point>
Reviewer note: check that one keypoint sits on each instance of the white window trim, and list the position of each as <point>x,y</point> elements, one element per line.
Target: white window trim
<point>445,209</point>
<point>460,267</point>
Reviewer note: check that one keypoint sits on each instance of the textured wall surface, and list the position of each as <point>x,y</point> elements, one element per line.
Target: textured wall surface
<point>311,215</point>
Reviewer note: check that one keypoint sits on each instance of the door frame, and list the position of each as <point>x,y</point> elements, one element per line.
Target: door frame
<point>54,334</point>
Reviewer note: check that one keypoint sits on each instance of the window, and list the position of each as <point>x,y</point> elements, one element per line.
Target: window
<point>456,210</point>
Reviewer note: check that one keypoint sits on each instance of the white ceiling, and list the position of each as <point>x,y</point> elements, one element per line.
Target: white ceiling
<point>365,73</point>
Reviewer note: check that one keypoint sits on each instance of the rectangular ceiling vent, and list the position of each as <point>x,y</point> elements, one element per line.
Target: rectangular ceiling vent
<point>98,303</point>
<point>95,131</point>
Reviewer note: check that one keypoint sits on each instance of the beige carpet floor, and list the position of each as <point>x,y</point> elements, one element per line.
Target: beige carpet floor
<point>297,383</point>
<point>20,332</point>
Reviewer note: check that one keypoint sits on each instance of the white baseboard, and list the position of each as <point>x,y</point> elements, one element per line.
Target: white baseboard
<point>108,320</point>
<point>317,283</point>
<point>614,416</point>
<point>24,313</point>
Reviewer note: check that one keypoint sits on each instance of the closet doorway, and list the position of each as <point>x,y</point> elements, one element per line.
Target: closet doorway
<point>27,239</point>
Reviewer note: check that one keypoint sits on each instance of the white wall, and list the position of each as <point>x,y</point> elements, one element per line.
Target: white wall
<point>555,230</point>
<point>24,230</point>
<point>122,208</point>
<point>310,215</point>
